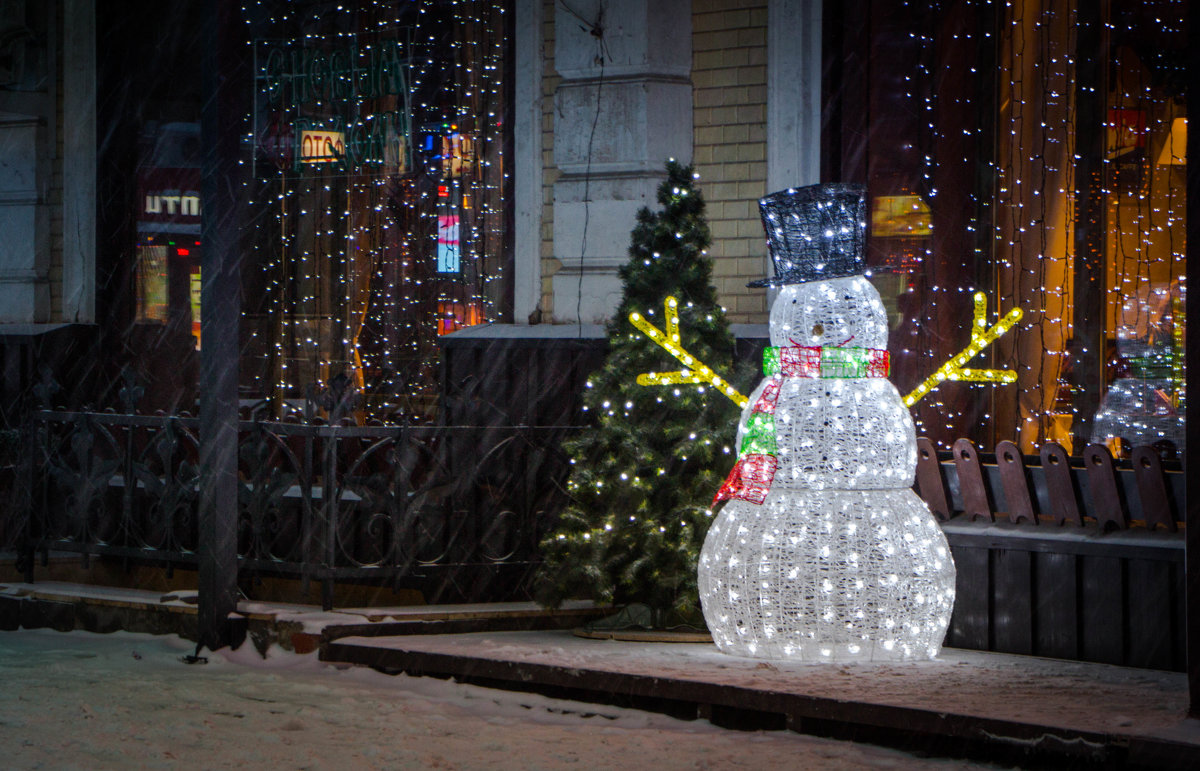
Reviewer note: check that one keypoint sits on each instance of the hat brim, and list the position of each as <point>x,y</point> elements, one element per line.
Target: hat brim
<point>772,281</point>
<point>797,277</point>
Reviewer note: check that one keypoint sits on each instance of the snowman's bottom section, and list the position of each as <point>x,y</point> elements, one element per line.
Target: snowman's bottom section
<point>828,575</point>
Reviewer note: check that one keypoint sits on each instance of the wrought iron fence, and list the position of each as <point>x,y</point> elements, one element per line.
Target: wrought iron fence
<point>454,510</point>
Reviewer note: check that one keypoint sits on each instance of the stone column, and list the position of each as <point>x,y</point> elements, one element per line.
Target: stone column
<point>793,99</point>
<point>79,155</point>
<point>793,93</point>
<point>528,51</point>
<point>24,223</point>
<point>623,107</point>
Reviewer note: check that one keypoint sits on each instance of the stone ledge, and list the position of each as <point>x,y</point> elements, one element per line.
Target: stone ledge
<point>301,628</point>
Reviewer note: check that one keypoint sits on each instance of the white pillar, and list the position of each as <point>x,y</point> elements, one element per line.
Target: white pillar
<point>24,222</point>
<point>793,93</point>
<point>528,50</point>
<point>622,108</point>
<point>79,156</point>
<point>794,69</point>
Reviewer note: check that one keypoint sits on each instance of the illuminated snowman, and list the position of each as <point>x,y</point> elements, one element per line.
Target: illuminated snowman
<point>823,552</point>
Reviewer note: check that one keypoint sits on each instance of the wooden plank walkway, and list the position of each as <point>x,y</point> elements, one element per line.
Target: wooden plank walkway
<point>1004,708</point>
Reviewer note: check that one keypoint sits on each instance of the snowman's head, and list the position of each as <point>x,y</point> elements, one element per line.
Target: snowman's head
<point>840,311</point>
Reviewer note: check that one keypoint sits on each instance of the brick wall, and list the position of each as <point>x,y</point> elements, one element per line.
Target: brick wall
<point>729,82</point>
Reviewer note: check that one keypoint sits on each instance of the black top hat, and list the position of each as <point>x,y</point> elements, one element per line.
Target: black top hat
<point>814,233</point>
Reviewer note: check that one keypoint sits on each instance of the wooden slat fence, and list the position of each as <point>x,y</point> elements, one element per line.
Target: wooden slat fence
<point>1077,558</point>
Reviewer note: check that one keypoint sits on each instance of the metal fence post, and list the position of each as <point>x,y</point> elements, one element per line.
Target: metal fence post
<point>330,493</point>
<point>220,296</point>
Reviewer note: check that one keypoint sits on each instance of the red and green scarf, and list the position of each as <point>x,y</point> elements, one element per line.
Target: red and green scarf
<point>752,475</point>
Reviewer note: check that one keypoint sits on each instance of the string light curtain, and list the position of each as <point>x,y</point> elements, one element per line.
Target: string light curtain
<point>379,181</point>
<point>1034,213</point>
<point>930,134</point>
<point>1144,226</point>
<point>1036,155</point>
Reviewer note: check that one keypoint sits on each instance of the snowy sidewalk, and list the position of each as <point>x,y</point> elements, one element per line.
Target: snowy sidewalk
<point>1015,708</point>
<point>126,701</point>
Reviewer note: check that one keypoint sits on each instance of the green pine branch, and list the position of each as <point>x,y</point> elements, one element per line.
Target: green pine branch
<point>647,465</point>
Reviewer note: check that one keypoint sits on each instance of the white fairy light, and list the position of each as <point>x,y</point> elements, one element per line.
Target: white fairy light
<point>333,249</point>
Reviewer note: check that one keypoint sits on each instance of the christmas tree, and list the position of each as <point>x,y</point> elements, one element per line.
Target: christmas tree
<point>645,468</point>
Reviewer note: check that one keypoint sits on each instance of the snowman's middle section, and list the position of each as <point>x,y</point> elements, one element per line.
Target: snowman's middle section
<point>825,411</point>
<point>843,434</point>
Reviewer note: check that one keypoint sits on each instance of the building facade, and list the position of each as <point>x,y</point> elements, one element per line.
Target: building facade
<point>1022,157</point>
<point>47,193</point>
<point>410,170</point>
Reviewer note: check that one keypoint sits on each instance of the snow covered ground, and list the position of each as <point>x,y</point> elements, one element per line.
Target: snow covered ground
<point>88,701</point>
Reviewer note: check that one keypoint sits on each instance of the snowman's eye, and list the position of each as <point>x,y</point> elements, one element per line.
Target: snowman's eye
<point>818,329</point>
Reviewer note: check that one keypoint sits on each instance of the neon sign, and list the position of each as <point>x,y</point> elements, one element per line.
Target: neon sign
<point>296,76</point>
<point>173,203</point>
<point>322,146</point>
<point>300,79</point>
